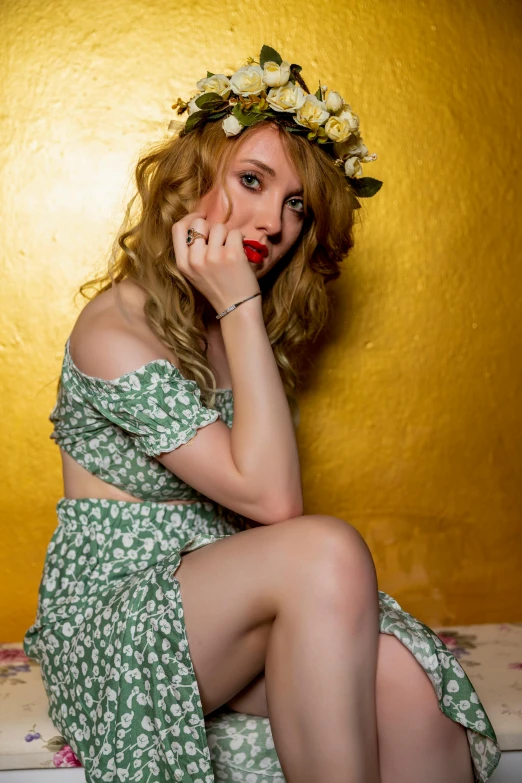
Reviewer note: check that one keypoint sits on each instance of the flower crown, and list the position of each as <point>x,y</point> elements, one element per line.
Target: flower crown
<point>273,89</point>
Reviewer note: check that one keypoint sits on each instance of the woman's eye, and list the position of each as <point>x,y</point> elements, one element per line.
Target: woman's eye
<point>250,177</point>
<point>300,202</point>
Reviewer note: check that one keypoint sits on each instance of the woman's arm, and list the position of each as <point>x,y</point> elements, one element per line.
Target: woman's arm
<point>254,467</point>
<point>263,437</point>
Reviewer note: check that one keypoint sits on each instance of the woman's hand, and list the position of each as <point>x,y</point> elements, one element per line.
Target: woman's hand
<point>217,267</point>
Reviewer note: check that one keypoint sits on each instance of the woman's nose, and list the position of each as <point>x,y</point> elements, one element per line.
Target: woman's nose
<point>269,217</point>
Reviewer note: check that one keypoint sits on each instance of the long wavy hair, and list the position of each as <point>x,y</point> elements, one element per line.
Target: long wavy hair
<point>171,177</point>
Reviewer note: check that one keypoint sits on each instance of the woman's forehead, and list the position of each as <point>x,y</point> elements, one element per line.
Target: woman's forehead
<point>266,146</point>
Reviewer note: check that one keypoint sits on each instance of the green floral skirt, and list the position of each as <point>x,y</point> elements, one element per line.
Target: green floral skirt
<point>110,639</point>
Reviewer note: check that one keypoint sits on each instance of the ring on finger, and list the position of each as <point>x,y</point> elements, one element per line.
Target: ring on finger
<point>192,235</point>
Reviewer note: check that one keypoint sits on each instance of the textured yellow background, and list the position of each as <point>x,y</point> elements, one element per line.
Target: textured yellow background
<point>412,428</point>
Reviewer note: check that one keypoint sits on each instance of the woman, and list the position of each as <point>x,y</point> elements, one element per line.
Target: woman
<point>183,577</point>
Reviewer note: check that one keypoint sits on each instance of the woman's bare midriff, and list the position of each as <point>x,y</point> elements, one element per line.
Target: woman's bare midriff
<point>79,483</point>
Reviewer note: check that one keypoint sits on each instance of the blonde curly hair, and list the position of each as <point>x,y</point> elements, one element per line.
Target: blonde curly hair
<point>171,177</point>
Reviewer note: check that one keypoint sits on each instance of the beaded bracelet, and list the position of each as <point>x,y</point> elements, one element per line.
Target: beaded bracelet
<point>233,307</point>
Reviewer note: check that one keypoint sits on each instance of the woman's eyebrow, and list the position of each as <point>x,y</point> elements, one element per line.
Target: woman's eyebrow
<point>268,170</point>
<point>261,165</point>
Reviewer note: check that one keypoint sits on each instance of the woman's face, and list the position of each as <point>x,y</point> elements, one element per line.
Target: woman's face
<point>266,193</point>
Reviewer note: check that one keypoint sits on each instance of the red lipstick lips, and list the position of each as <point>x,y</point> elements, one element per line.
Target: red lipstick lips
<point>255,251</point>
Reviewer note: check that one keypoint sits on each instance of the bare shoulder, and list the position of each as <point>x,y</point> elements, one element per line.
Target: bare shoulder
<point>111,336</point>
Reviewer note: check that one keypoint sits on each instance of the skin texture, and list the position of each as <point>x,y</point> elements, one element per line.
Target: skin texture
<point>293,593</point>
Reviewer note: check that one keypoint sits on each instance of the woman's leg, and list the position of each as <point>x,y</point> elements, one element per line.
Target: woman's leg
<point>416,740</point>
<point>297,599</point>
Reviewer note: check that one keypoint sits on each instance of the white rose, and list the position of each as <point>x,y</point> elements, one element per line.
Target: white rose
<point>218,83</point>
<point>360,150</point>
<point>312,113</point>
<point>276,75</point>
<point>289,97</point>
<point>336,129</point>
<point>354,147</point>
<point>351,147</point>
<point>231,125</point>
<point>352,167</point>
<point>248,80</point>
<point>334,102</point>
<point>352,118</point>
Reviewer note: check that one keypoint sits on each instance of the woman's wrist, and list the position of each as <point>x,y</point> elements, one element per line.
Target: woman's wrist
<point>252,303</point>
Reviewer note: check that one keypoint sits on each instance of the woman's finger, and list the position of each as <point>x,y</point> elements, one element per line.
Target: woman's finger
<point>217,238</point>
<point>234,241</point>
<point>180,234</point>
<point>197,251</point>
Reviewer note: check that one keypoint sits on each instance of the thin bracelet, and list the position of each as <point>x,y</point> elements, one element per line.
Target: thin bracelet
<point>233,307</point>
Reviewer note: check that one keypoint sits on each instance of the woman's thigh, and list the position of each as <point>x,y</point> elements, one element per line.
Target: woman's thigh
<point>233,589</point>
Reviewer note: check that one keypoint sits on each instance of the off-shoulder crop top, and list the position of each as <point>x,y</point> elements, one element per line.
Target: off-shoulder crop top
<point>114,429</point>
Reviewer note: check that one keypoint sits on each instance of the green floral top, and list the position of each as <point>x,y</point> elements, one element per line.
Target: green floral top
<point>114,429</point>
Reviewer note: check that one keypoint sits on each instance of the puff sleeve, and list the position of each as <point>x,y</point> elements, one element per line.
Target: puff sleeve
<point>155,404</point>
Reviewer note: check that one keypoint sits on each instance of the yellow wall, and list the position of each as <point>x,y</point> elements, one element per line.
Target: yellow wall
<point>411,429</point>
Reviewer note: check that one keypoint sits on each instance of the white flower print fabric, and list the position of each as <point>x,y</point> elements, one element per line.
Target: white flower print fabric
<point>113,428</point>
<point>109,633</point>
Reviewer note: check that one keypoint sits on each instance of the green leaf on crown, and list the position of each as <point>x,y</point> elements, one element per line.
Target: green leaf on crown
<point>248,118</point>
<point>210,74</point>
<point>216,115</point>
<point>319,94</point>
<point>269,55</point>
<point>365,187</point>
<point>210,101</point>
<point>195,119</point>
<point>296,129</point>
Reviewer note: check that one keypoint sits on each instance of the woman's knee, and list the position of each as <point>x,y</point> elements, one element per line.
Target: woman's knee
<point>331,557</point>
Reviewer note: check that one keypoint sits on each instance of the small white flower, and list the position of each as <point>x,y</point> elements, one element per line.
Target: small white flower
<point>247,80</point>
<point>126,719</point>
<point>231,125</point>
<point>334,102</point>
<point>276,75</point>
<point>289,97</point>
<point>147,723</point>
<point>352,167</point>
<point>218,83</point>
<point>312,113</point>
